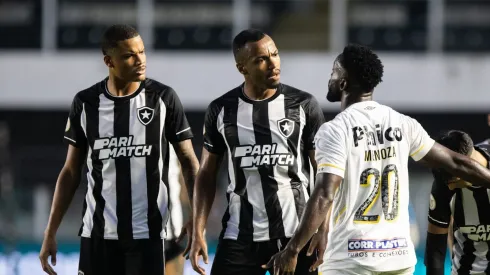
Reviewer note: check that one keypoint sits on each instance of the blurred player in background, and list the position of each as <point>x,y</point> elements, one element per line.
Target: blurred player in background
<point>362,157</point>
<point>174,262</point>
<point>469,207</point>
<point>266,128</point>
<point>121,127</point>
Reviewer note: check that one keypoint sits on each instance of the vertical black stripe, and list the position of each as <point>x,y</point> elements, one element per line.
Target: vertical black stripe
<point>152,172</point>
<point>123,174</point>
<point>291,109</point>
<point>92,120</point>
<point>468,257</point>
<point>306,167</point>
<point>483,206</point>
<point>245,225</point>
<point>263,136</point>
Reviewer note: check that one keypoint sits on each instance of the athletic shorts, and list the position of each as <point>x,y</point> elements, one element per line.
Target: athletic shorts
<point>173,250</point>
<point>362,271</point>
<point>239,257</point>
<point>116,257</point>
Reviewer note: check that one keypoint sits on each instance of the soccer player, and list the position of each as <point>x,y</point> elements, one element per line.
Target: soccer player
<point>266,128</point>
<point>362,157</point>
<point>121,127</point>
<point>469,209</point>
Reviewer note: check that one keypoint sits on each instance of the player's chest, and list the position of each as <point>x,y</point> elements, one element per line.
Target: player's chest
<point>263,124</point>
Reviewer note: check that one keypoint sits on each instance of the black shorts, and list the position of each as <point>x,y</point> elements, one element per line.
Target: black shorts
<point>172,250</point>
<point>116,257</point>
<point>239,257</point>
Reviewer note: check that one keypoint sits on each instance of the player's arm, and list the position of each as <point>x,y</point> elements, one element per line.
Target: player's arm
<point>66,185</point>
<point>439,218</point>
<point>331,159</point>
<point>179,133</point>
<point>314,121</point>
<point>189,163</point>
<point>205,185</point>
<point>205,190</point>
<point>457,165</point>
<point>434,155</point>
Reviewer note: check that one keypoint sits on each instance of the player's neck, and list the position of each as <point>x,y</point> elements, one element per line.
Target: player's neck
<point>118,87</point>
<point>349,99</point>
<point>256,93</point>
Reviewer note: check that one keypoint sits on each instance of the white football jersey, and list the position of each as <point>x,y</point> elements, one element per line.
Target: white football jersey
<point>369,144</point>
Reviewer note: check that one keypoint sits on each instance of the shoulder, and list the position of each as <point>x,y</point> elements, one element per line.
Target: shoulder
<point>162,90</point>
<point>227,99</point>
<point>484,149</point>
<point>297,94</point>
<point>333,128</point>
<point>90,94</point>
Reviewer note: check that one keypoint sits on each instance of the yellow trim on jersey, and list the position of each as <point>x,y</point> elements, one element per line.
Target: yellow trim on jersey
<point>418,150</point>
<point>340,214</point>
<point>330,165</point>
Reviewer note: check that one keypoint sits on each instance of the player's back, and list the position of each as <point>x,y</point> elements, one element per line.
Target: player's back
<point>370,226</point>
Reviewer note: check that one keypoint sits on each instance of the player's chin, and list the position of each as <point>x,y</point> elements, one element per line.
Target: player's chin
<point>333,96</point>
<point>139,77</point>
<point>272,84</point>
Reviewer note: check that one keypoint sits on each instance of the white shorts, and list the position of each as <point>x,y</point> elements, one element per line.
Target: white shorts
<point>362,271</point>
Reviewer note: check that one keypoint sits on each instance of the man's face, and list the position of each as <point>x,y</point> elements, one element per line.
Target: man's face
<point>128,60</point>
<point>261,63</point>
<point>335,83</point>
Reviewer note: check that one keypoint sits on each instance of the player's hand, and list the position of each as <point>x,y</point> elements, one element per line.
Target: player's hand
<point>198,248</point>
<point>186,230</point>
<point>284,262</point>
<point>458,183</point>
<point>318,244</point>
<point>49,248</point>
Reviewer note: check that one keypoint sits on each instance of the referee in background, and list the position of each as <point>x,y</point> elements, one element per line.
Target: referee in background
<point>121,127</point>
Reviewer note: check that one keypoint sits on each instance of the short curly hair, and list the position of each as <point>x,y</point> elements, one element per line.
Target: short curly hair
<point>362,66</point>
<point>115,34</point>
<point>457,141</point>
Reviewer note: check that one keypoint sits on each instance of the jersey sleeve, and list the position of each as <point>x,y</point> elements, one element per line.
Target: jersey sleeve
<point>439,204</point>
<point>420,141</point>
<point>331,149</point>
<point>213,140</point>
<point>177,127</point>
<point>74,133</point>
<point>314,119</point>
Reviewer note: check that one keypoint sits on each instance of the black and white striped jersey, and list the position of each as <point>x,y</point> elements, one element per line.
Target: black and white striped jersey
<point>127,141</point>
<point>267,143</point>
<point>470,208</point>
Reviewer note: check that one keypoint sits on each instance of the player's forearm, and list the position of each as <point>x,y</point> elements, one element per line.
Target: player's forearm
<point>435,253</point>
<point>204,192</point>
<point>66,186</point>
<point>190,167</point>
<point>314,215</point>
<point>471,171</point>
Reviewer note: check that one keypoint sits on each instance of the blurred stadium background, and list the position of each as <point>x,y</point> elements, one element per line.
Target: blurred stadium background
<point>436,56</point>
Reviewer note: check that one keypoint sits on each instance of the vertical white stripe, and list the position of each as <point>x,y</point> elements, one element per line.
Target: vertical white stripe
<point>307,182</point>
<point>162,198</point>
<point>234,204</point>
<point>255,192</point>
<point>284,193</point>
<point>469,207</point>
<point>176,218</point>
<point>89,197</point>
<point>139,192</point>
<point>106,130</point>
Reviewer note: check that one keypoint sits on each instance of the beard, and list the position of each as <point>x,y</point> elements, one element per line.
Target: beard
<point>334,94</point>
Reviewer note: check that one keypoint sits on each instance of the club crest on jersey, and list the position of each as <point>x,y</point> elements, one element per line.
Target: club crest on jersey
<point>145,115</point>
<point>286,126</point>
